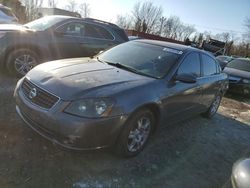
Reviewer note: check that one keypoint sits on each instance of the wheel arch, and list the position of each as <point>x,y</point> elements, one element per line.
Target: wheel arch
<point>38,50</point>
<point>154,108</point>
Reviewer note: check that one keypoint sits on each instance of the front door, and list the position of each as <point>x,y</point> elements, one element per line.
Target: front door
<point>184,99</point>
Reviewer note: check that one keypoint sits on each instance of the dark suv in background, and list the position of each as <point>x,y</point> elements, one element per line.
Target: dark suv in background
<point>54,37</point>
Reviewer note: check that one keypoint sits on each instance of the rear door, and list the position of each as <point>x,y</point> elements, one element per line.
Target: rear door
<point>65,42</point>
<point>211,79</point>
<point>95,39</point>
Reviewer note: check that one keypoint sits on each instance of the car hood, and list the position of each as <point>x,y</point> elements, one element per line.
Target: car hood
<point>74,78</point>
<point>237,73</point>
<point>12,27</point>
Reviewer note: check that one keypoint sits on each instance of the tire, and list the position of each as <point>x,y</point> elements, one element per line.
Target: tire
<point>213,107</point>
<point>21,61</point>
<point>134,136</point>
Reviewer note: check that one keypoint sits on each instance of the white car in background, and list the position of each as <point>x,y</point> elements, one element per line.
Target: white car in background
<point>6,15</point>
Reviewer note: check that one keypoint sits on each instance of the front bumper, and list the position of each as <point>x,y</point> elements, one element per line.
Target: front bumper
<point>67,130</point>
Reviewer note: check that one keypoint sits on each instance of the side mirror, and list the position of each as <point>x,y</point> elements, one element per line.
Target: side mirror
<point>186,78</point>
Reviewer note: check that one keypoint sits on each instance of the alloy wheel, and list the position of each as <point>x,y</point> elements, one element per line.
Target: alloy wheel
<point>215,104</point>
<point>139,135</point>
<point>24,63</point>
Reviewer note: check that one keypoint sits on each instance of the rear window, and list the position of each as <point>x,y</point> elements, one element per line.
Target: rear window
<point>241,64</point>
<point>121,34</point>
<point>97,32</point>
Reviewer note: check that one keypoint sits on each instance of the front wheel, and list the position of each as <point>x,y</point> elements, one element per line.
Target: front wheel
<point>135,133</point>
<point>213,107</point>
<point>21,61</point>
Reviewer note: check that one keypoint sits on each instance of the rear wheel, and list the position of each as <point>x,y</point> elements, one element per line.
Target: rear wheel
<point>135,133</point>
<point>214,106</point>
<point>21,61</point>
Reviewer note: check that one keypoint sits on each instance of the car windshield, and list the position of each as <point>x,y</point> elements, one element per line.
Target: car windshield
<point>142,58</point>
<point>43,23</point>
<point>241,64</point>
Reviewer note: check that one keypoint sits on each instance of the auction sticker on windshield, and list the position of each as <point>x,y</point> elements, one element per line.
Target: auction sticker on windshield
<point>172,50</point>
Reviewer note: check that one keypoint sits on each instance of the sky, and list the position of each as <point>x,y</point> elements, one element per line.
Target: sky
<point>216,16</point>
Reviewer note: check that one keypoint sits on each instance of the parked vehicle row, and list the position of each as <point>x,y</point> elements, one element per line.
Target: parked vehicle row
<point>118,98</point>
<point>22,47</point>
<point>6,15</point>
<point>224,60</point>
<point>239,76</point>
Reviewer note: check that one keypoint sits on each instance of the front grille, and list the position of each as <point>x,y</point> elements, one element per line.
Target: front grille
<point>37,95</point>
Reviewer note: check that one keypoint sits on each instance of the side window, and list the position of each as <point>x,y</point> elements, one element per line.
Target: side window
<point>104,33</point>
<point>74,28</point>
<point>191,65</point>
<point>95,31</point>
<point>210,67</point>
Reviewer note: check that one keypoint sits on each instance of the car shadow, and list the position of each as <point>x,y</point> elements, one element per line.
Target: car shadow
<point>194,153</point>
<point>238,97</point>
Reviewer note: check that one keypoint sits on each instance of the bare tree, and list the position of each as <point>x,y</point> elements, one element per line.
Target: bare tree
<point>71,6</point>
<point>188,30</point>
<point>246,35</point>
<point>84,10</point>
<point>124,21</point>
<point>207,35</point>
<point>171,27</point>
<point>52,3</point>
<point>31,8</point>
<point>247,23</point>
<point>146,16</point>
<point>225,36</point>
<point>162,23</point>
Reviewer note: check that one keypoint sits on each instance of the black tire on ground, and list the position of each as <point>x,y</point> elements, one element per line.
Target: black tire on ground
<point>20,61</point>
<point>131,142</point>
<point>213,107</point>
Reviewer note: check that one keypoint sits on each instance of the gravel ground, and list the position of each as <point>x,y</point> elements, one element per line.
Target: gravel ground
<point>195,153</point>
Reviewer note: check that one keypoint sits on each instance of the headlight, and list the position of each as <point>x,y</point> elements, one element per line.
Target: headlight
<point>91,108</point>
<point>246,81</point>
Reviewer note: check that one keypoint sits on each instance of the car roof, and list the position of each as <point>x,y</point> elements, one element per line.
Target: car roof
<point>176,46</point>
<point>89,20</point>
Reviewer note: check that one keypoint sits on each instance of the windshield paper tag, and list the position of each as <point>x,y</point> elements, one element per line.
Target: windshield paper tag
<point>172,50</point>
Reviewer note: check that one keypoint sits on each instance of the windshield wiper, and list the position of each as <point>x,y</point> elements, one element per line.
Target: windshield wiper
<point>118,65</point>
<point>124,67</point>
